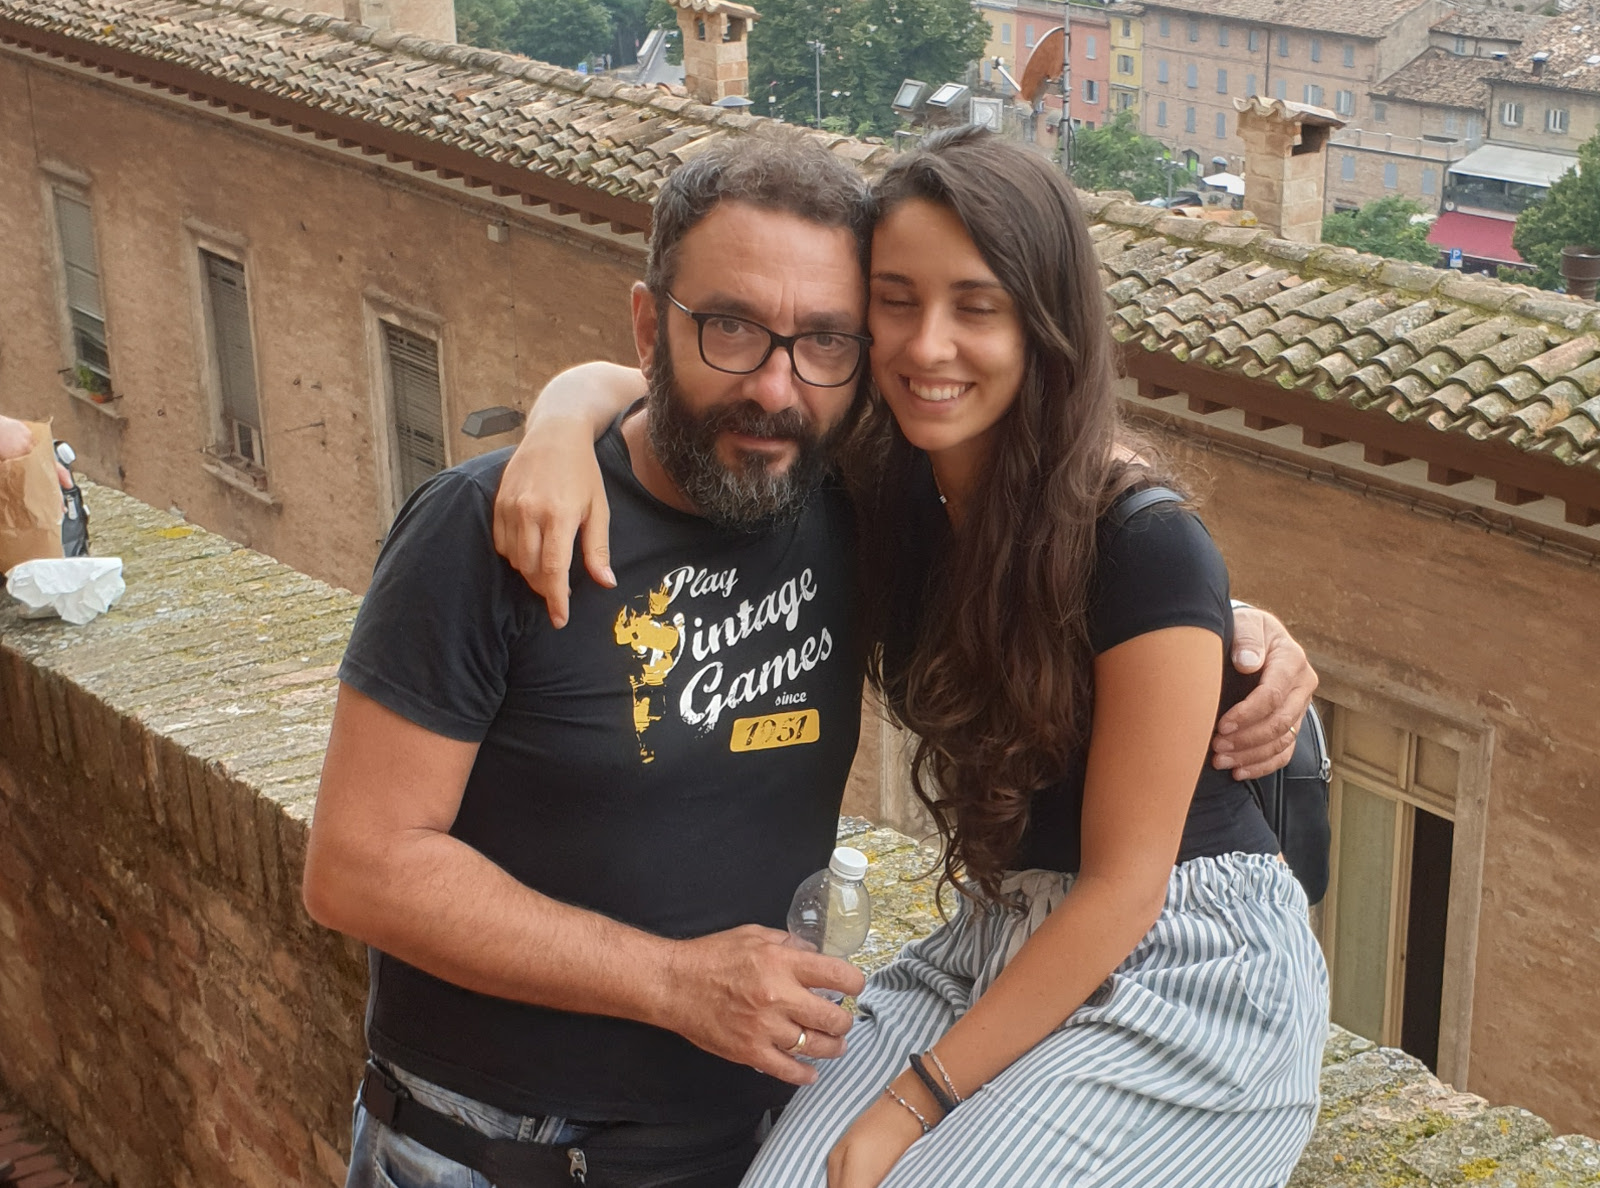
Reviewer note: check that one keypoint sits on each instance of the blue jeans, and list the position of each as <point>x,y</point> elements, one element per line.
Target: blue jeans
<point>381,1158</point>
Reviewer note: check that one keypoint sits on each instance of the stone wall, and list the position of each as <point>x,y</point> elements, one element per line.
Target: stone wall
<point>166,1003</point>
<point>164,1000</point>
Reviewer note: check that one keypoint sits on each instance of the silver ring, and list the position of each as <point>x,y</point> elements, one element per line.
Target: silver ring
<point>799,1045</point>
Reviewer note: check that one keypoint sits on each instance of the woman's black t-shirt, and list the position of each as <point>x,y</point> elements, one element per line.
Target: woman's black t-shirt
<point>1159,569</point>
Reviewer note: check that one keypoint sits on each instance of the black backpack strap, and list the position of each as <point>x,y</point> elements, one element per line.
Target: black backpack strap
<point>1131,503</point>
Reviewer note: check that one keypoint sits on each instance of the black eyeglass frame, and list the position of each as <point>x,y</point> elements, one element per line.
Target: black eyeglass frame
<point>774,342</point>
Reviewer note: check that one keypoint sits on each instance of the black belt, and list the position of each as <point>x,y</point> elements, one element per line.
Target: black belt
<point>615,1156</point>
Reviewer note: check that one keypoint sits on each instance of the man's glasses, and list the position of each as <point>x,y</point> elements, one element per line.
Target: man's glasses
<point>738,346</point>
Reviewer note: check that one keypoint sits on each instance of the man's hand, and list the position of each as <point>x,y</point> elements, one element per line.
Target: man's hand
<point>743,995</point>
<point>552,491</point>
<point>16,439</point>
<point>1257,735</point>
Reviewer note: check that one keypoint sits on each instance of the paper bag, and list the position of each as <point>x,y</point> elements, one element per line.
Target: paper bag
<point>30,502</point>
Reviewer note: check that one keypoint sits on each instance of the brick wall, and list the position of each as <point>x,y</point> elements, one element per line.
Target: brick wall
<point>164,1000</point>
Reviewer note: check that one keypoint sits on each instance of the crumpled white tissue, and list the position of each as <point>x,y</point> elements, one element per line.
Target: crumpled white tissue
<point>76,588</point>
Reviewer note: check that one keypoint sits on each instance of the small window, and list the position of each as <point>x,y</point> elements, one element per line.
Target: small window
<point>1222,125</point>
<point>1253,40</point>
<point>1344,102</point>
<point>86,316</point>
<point>1165,26</point>
<point>1028,37</point>
<point>1461,44</point>
<point>1124,100</point>
<point>1452,124</point>
<point>1090,48</point>
<point>1194,30</point>
<point>1091,91</point>
<point>1511,115</point>
<point>1380,112</point>
<point>1349,53</point>
<point>1005,32</point>
<point>699,30</point>
<point>1312,94</point>
<point>1127,27</point>
<point>1161,70</point>
<point>1250,85</point>
<point>1347,167</point>
<point>1280,89</point>
<point>232,348</point>
<point>1222,82</point>
<point>1222,35</point>
<point>416,405</point>
<point>1391,175</point>
<point>1555,120</point>
<point>1188,119</point>
<point>1161,113</point>
<point>1283,45</point>
<point>1191,76</point>
<point>1316,49</point>
<point>1124,63</point>
<point>1430,181</point>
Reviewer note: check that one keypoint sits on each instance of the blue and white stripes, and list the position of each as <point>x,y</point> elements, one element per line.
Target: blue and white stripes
<point>1196,1063</point>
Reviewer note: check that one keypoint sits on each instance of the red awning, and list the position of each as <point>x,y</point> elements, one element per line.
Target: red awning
<point>1478,236</point>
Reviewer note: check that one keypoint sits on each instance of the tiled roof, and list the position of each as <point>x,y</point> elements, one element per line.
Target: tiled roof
<point>1464,355</point>
<point>1359,18</point>
<point>1439,77</point>
<point>594,133</point>
<point>1572,40</point>
<point>1494,22</point>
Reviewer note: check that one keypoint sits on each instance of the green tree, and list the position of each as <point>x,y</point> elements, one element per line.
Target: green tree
<point>1119,157</point>
<point>871,47</point>
<point>1384,228</point>
<point>1567,216</point>
<point>562,32</point>
<point>483,22</point>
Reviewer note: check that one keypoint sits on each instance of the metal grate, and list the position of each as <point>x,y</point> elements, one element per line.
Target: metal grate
<point>418,406</point>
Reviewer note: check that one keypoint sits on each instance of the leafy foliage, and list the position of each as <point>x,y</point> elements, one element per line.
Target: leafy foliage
<point>1119,157</point>
<point>1384,228</point>
<point>871,47</point>
<point>563,32</point>
<point>1567,216</point>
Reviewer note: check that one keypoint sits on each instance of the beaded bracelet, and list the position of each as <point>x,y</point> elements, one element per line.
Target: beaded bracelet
<point>915,1113</point>
<point>946,1102</point>
<point>944,1076</point>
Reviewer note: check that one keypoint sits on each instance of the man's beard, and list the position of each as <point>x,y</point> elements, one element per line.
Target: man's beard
<point>746,497</point>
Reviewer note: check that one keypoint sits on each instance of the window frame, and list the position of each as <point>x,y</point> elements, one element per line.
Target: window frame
<point>1194,30</point>
<point>1191,75</point>
<point>1091,47</point>
<point>62,184</point>
<point>1163,71</point>
<point>1222,125</point>
<point>1347,167</point>
<point>1514,109</point>
<point>1222,35</point>
<point>381,308</point>
<point>1252,40</point>
<point>1316,49</point>
<point>1391,175</point>
<point>249,474</point>
<point>1283,45</point>
<point>1189,123</point>
<point>1164,24</point>
<point>1222,80</point>
<point>1554,116</point>
<point>1161,113</point>
<point>1344,102</point>
<point>1350,55</point>
<point>1125,64</point>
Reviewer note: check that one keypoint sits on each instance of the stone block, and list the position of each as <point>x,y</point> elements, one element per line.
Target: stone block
<point>1477,1148</point>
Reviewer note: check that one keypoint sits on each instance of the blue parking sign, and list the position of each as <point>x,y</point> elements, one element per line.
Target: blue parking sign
<point>1455,257</point>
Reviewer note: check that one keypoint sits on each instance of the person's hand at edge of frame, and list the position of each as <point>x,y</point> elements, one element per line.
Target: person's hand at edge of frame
<point>1257,736</point>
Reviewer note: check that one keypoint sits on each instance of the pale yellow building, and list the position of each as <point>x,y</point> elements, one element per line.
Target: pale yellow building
<point>1127,56</point>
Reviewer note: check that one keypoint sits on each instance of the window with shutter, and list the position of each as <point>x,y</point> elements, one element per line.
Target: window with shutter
<point>85,314</point>
<point>417,406</point>
<point>235,356</point>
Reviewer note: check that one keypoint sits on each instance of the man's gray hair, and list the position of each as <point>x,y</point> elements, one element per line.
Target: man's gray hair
<point>774,169</point>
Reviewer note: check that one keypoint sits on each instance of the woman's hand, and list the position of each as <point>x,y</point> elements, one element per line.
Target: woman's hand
<point>552,489</point>
<point>873,1145</point>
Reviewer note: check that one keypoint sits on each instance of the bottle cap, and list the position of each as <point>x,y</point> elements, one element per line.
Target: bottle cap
<point>849,863</point>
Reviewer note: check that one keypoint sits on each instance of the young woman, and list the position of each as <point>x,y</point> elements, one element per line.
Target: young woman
<point>1129,992</point>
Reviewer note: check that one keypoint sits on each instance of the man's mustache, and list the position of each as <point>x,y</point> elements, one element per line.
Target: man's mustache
<point>751,420</point>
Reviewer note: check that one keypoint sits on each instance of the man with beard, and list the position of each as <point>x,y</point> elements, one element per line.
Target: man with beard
<point>570,852</point>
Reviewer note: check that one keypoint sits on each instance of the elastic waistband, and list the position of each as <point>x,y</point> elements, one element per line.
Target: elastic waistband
<point>1197,883</point>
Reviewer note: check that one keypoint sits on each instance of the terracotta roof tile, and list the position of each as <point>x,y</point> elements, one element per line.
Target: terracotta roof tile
<point>1496,22</point>
<point>1439,77</point>
<point>1361,18</point>
<point>593,132</point>
<point>1570,40</point>
<point>1508,366</point>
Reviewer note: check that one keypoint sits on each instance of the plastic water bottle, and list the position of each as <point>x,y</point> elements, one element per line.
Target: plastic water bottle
<point>832,910</point>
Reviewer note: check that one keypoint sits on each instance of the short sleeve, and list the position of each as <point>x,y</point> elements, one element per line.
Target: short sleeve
<point>433,638</point>
<point>1160,569</point>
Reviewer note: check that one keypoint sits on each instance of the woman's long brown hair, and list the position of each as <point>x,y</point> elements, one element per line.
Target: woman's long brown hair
<point>996,678</point>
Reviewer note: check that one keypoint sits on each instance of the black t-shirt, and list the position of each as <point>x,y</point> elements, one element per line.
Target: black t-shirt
<point>1160,569</point>
<point>673,758</point>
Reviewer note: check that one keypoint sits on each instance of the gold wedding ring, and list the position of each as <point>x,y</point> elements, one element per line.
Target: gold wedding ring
<point>799,1045</point>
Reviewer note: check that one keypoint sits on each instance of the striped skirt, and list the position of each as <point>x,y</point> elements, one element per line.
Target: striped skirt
<point>1195,1063</point>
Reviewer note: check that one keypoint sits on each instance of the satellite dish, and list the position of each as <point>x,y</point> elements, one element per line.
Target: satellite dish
<point>1449,205</point>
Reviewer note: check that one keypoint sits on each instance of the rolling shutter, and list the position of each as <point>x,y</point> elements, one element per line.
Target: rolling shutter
<point>418,406</point>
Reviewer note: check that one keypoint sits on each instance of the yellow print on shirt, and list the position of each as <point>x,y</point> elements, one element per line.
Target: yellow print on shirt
<point>658,642</point>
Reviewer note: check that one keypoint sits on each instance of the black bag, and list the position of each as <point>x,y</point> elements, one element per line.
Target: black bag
<point>75,523</point>
<point>1293,799</point>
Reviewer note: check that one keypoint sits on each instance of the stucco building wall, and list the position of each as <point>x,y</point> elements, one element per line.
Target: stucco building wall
<point>329,245</point>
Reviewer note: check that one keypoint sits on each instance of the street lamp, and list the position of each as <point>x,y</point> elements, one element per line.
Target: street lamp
<point>818,47</point>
